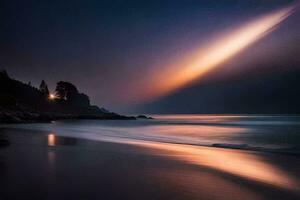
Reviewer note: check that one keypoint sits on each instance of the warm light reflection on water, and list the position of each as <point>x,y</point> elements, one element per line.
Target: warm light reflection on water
<point>196,131</point>
<point>243,164</point>
<point>175,133</point>
<point>169,137</point>
<point>54,140</point>
<point>51,139</point>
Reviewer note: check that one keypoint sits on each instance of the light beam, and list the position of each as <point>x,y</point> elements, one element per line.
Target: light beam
<point>224,48</point>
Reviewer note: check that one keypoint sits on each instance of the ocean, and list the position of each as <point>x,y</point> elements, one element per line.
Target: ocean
<point>272,133</point>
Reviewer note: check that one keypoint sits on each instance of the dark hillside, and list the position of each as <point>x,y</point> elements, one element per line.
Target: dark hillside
<point>21,102</point>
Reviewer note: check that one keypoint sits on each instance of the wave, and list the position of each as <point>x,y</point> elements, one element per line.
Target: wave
<point>275,134</point>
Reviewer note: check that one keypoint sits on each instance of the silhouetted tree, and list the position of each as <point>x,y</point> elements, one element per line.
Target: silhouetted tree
<point>66,91</point>
<point>15,94</point>
<point>81,100</point>
<point>44,88</point>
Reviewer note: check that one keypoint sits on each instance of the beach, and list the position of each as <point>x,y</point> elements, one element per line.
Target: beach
<point>150,100</point>
<point>43,165</point>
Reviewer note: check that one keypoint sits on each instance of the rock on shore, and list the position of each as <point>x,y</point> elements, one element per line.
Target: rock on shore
<point>19,116</point>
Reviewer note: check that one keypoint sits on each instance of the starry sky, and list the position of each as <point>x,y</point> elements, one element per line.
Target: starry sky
<point>115,50</point>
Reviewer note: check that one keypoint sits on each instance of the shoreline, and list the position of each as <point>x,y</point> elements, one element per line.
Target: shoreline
<point>225,146</point>
<point>17,117</point>
<point>139,171</point>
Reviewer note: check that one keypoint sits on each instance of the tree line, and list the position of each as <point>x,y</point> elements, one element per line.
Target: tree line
<point>66,92</point>
<point>14,92</point>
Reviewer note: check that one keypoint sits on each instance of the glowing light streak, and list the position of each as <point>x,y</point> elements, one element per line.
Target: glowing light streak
<point>217,53</point>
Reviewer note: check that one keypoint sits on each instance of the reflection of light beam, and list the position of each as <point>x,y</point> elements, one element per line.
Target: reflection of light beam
<point>243,164</point>
<point>51,140</point>
<point>240,163</point>
<point>215,54</point>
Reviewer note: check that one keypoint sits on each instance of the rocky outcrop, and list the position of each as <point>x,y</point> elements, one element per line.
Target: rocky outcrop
<point>23,103</point>
<point>143,117</point>
<point>18,116</point>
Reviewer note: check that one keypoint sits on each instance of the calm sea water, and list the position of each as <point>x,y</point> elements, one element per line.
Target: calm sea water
<point>255,132</point>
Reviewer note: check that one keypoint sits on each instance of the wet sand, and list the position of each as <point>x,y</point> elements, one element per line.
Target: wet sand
<point>40,165</point>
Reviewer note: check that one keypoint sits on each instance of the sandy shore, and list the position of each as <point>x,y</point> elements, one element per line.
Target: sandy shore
<point>40,165</point>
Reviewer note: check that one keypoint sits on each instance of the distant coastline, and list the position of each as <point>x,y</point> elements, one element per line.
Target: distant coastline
<point>24,103</point>
<point>22,116</point>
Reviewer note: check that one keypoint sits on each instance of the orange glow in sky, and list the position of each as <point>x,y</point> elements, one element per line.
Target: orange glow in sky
<point>216,53</point>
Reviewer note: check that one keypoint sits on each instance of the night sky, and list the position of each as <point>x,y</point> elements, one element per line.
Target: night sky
<point>111,50</point>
